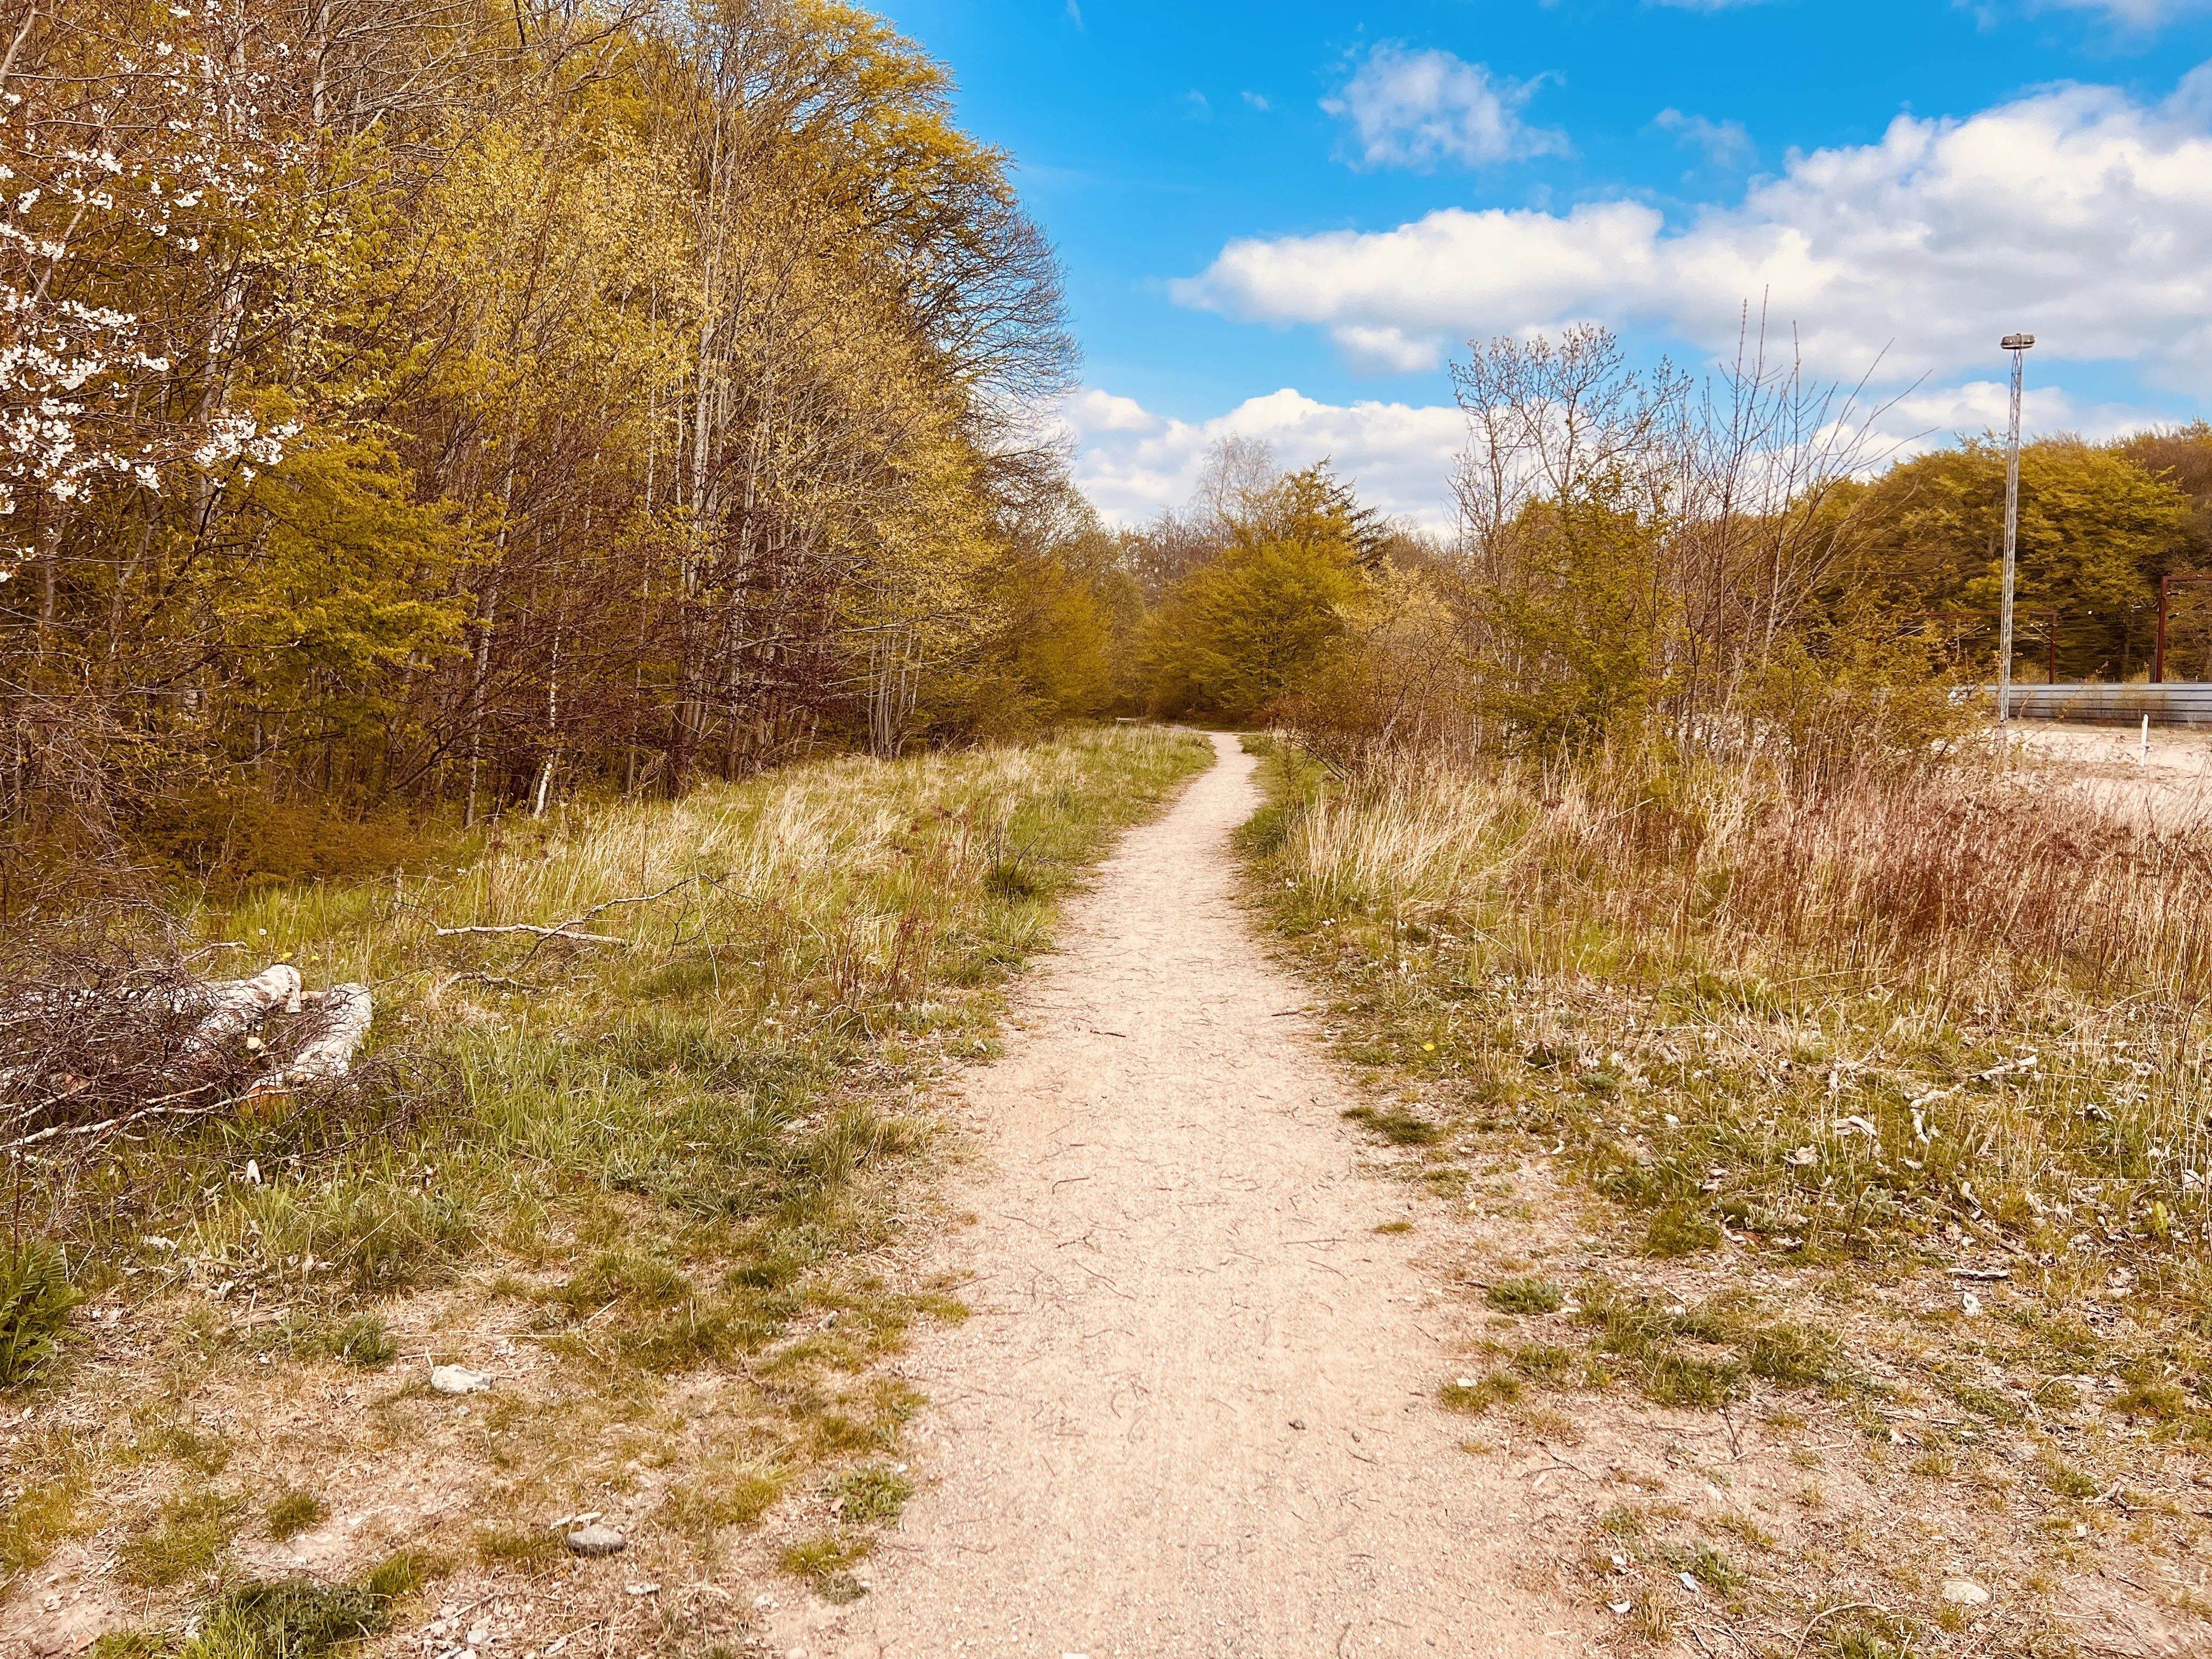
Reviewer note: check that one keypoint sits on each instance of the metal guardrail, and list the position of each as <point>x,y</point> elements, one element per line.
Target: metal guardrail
<point>2187,703</point>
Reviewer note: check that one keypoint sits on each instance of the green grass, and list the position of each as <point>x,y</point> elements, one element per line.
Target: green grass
<point>43,1511</point>
<point>1624,1520</point>
<point>835,920</point>
<point>291,1513</point>
<point>871,1497</point>
<point>1399,1128</point>
<point>1930,1100</point>
<point>1710,1071</point>
<point>1525,1296</point>
<point>1708,1565</point>
<point>399,1576</point>
<point>1787,1075</point>
<point>361,1339</point>
<point>290,1618</point>
<point>825,1562</point>
<point>1543,1363</point>
<point>684,1145</point>
<point>1471,1396</point>
<point>728,1495</point>
<point>1679,1229</point>
<point>531,1549</point>
<point>2067,1481</point>
<point>184,1542</point>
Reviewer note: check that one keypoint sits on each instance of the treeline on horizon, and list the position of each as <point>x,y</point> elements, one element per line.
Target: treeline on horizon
<point>426,408</point>
<point>1708,566</point>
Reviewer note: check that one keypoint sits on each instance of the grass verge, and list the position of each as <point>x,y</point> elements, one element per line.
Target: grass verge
<point>1868,1117</point>
<point>641,1180</point>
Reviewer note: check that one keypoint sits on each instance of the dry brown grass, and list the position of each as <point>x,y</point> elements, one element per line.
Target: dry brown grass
<point>1966,882</point>
<point>1952,947</point>
<point>1861,1130</point>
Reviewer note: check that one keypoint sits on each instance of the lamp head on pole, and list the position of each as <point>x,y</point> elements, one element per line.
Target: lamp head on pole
<point>2017,342</point>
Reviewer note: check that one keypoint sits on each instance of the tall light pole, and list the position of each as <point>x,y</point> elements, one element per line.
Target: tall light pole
<point>2018,344</point>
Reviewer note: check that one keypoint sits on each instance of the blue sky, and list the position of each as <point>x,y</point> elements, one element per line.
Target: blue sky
<point>1324,200</point>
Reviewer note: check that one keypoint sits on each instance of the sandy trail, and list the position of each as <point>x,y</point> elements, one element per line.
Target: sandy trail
<point>1192,1414</point>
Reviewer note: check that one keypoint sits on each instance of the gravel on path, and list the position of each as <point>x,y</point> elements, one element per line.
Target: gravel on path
<point>1194,1414</point>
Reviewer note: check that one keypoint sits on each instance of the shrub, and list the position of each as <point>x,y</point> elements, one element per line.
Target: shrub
<point>35,1299</point>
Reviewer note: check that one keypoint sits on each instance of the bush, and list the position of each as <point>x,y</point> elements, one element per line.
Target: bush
<point>35,1299</point>
<point>234,840</point>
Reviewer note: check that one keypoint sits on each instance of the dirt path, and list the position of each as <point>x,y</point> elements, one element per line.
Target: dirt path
<point>1192,1414</point>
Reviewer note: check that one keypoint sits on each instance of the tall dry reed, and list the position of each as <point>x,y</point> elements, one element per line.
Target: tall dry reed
<point>1961,945</point>
<point>1968,882</point>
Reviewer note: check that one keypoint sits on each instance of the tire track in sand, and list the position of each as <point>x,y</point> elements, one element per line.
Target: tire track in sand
<point>1192,1413</point>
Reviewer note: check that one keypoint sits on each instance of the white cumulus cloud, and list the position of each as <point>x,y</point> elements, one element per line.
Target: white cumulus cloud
<point>1414,109</point>
<point>1132,463</point>
<point>1932,416</point>
<point>2076,212</point>
<point>1726,144</point>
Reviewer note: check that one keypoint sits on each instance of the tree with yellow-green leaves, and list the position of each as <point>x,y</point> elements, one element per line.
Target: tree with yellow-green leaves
<point>429,403</point>
<point>2096,532</point>
<point>1255,623</point>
